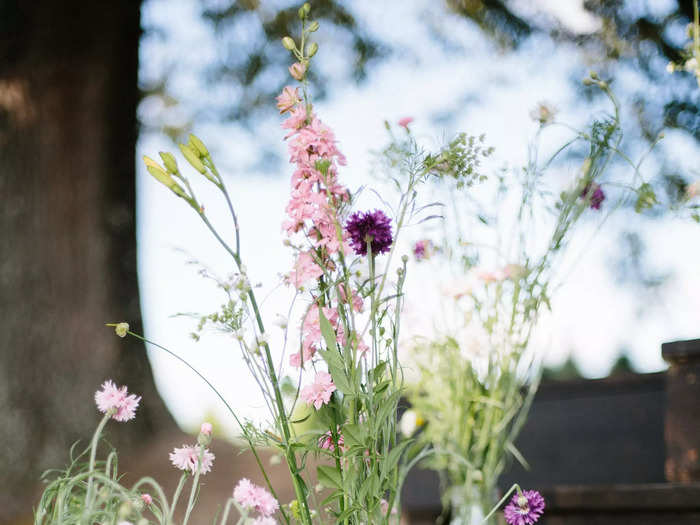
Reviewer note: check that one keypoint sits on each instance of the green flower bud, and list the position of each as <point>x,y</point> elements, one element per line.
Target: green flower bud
<point>313,27</point>
<point>306,7</point>
<point>169,162</point>
<point>198,145</point>
<point>311,49</point>
<point>288,43</point>
<point>301,13</point>
<point>192,157</point>
<point>163,177</point>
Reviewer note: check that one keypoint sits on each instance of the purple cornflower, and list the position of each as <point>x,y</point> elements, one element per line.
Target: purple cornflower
<point>525,508</point>
<point>372,226</point>
<point>596,194</point>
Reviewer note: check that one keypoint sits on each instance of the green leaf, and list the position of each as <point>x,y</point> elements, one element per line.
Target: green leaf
<point>336,495</point>
<point>354,435</point>
<point>327,330</point>
<point>394,456</point>
<point>381,387</point>
<point>329,477</point>
<point>336,367</point>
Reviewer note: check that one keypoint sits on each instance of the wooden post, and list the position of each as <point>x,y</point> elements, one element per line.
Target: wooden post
<point>682,426</point>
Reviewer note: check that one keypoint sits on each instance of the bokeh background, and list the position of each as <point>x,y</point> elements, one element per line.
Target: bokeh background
<point>89,237</point>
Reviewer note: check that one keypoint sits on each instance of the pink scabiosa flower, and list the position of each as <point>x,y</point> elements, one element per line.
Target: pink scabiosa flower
<point>405,121</point>
<point>595,193</point>
<point>147,498</point>
<point>251,496</point>
<point>319,393</point>
<point>369,227</point>
<point>111,398</point>
<point>525,508</point>
<point>287,99</point>
<point>187,458</point>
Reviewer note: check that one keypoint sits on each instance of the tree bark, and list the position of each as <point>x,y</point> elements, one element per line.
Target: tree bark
<point>68,129</point>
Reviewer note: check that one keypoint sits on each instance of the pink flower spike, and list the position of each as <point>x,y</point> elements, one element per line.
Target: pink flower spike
<point>117,400</point>
<point>187,458</point>
<point>206,429</point>
<point>147,499</point>
<point>405,121</point>
<point>319,393</point>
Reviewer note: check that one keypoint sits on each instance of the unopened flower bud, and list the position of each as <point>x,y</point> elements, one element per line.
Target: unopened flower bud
<point>297,70</point>
<point>146,498</point>
<point>192,157</point>
<point>204,437</point>
<point>125,509</point>
<point>313,27</point>
<point>587,82</point>
<point>404,259</point>
<point>593,75</point>
<point>198,145</point>
<point>169,161</point>
<point>288,43</point>
<point>311,49</point>
<point>121,329</point>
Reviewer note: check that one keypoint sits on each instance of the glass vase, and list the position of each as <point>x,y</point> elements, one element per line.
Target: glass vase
<point>470,504</point>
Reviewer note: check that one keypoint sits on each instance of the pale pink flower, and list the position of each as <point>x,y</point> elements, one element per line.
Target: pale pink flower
<point>297,70</point>
<point>405,121</point>
<point>296,119</point>
<point>305,270</point>
<point>326,441</point>
<point>287,99</point>
<point>187,458</point>
<point>118,400</point>
<point>147,499</point>
<point>357,303</point>
<point>489,277</point>
<point>693,190</point>
<point>385,507</point>
<point>319,393</point>
<point>251,496</point>
<point>206,429</point>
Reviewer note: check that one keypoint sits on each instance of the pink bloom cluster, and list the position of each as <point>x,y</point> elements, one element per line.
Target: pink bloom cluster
<point>118,400</point>
<point>251,496</point>
<point>319,392</point>
<point>316,194</point>
<point>187,458</point>
<point>313,213</point>
<point>311,329</point>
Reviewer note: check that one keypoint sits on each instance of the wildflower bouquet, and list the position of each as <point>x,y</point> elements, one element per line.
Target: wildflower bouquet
<point>349,292</point>
<point>475,381</point>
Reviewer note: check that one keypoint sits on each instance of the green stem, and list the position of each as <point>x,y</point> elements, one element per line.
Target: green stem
<point>195,484</point>
<point>176,496</point>
<point>93,454</point>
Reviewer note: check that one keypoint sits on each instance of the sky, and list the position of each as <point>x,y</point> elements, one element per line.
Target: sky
<point>484,91</point>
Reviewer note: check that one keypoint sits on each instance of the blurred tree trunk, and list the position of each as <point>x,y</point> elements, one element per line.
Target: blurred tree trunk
<point>68,96</point>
